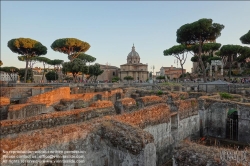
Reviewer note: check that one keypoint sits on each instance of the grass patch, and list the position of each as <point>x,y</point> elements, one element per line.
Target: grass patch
<point>225,95</point>
<point>159,92</point>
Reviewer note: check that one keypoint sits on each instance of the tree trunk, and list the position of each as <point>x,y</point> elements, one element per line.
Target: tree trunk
<point>182,72</point>
<point>26,70</point>
<point>43,71</point>
<point>201,62</point>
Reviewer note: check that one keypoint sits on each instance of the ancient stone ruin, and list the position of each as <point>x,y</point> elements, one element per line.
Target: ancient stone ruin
<point>118,126</point>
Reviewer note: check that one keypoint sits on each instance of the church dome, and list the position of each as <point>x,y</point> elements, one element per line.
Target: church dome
<point>133,53</point>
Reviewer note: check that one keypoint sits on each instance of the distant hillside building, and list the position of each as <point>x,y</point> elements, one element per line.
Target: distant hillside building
<point>134,68</point>
<point>171,72</point>
<point>8,77</point>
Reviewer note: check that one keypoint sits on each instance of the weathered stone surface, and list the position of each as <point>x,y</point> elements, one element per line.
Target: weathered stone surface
<point>102,104</point>
<point>214,113</point>
<point>125,105</point>
<point>51,97</point>
<point>53,119</point>
<point>3,112</point>
<point>25,110</point>
<point>148,100</point>
<point>152,115</point>
<point>125,136</point>
<point>142,135</point>
<point>188,153</point>
<point>4,101</point>
<point>118,143</point>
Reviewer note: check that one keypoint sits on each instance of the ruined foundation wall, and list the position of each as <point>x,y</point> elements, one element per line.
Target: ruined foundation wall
<point>129,146</point>
<point>214,114</point>
<point>53,119</point>
<point>51,97</point>
<point>25,110</point>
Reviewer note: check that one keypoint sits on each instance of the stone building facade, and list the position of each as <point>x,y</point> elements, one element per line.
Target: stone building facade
<point>171,72</point>
<point>134,67</point>
<point>108,73</point>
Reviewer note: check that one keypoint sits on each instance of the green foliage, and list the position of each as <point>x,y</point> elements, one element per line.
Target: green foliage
<point>10,69</point>
<point>196,58</point>
<point>86,58</point>
<point>183,75</point>
<point>51,75</point>
<point>245,39</point>
<point>24,58</point>
<point>210,59</point>
<point>128,78</point>
<point>95,71</point>
<point>28,48</point>
<point>207,48</point>
<point>229,50</point>
<point>115,79</point>
<point>55,62</point>
<point>159,92</point>
<point>21,73</point>
<point>70,46</point>
<point>42,59</point>
<point>225,95</point>
<point>160,77</point>
<point>244,54</point>
<point>199,31</point>
<point>1,63</point>
<point>231,53</point>
<point>175,50</point>
<point>75,66</point>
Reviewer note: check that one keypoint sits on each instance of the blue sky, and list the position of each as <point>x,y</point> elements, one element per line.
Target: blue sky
<point>111,27</point>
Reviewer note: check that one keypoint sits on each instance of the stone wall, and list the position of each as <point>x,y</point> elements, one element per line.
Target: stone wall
<point>125,105</point>
<point>4,101</point>
<point>189,153</point>
<point>214,113</point>
<point>23,92</point>
<point>51,97</point>
<point>110,142</point>
<point>148,100</point>
<point>25,110</point>
<point>54,119</point>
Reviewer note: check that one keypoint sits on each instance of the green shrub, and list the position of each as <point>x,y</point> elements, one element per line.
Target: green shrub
<point>159,92</point>
<point>226,95</point>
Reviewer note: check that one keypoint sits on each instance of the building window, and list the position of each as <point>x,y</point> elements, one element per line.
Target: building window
<point>113,73</point>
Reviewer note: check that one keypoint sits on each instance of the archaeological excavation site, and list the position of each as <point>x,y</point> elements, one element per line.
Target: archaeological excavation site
<point>118,125</point>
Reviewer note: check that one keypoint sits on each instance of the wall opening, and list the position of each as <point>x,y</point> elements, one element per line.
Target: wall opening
<point>232,125</point>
